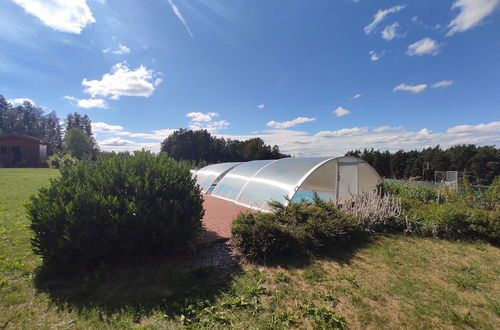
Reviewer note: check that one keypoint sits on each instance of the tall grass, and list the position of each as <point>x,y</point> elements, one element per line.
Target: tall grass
<point>439,212</point>
<point>423,193</point>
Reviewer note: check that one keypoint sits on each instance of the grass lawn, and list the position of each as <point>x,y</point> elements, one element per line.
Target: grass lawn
<point>386,282</point>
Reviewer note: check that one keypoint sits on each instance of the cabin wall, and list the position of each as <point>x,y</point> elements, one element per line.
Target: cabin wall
<point>29,155</point>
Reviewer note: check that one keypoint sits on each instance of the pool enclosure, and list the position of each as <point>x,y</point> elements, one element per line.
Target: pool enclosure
<point>252,184</point>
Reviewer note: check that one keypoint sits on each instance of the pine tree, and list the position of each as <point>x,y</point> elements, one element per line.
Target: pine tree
<point>52,132</point>
<point>76,120</point>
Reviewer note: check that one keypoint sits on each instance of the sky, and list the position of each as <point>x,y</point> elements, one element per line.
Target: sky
<point>315,77</point>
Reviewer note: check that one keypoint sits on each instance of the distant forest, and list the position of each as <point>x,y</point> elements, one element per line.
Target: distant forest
<point>481,164</point>
<point>202,148</point>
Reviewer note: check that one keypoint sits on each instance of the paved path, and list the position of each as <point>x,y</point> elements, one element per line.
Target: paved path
<point>219,216</point>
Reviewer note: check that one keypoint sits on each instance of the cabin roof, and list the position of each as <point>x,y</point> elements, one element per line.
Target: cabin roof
<point>22,137</point>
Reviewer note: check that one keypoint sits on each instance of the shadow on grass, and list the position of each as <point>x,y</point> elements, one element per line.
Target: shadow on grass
<point>141,289</point>
<point>344,252</point>
<point>341,252</point>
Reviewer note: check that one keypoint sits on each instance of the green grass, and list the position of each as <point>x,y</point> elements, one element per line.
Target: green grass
<point>413,190</point>
<point>386,282</point>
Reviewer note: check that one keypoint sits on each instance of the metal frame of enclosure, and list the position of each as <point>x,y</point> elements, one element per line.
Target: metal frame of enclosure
<point>253,184</point>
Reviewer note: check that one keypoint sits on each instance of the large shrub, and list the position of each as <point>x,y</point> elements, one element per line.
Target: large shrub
<point>423,193</point>
<point>260,237</point>
<point>301,227</point>
<point>492,195</point>
<point>310,227</point>
<point>488,199</point>
<point>122,207</point>
<point>452,220</point>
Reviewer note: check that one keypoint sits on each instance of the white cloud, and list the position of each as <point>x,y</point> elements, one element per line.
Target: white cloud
<point>444,83</point>
<point>340,112</point>
<point>289,123</point>
<point>423,47</point>
<point>261,106</point>
<point>122,81</point>
<point>493,127</point>
<point>380,15</point>
<point>200,120</point>
<point>116,142</point>
<point>471,14</point>
<point>159,134</point>
<point>111,138</point>
<point>177,13</point>
<point>88,103</point>
<point>106,128</point>
<point>200,116</point>
<point>424,131</point>
<point>326,143</point>
<point>387,128</point>
<point>66,16</point>
<point>91,103</point>
<point>357,96</point>
<point>343,132</point>
<point>415,89</point>
<point>122,49</point>
<point>20,101</point>
<point>390,32</point>
<point>338,142</point>
<point>374,56</point>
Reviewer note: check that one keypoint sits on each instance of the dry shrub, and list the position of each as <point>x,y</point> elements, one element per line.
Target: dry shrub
<point>376,212</point>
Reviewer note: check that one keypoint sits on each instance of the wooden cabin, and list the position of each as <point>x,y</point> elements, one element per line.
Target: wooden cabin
<point>18,150</point>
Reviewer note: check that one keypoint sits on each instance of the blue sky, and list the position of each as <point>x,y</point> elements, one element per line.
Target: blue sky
<point>316,77</point>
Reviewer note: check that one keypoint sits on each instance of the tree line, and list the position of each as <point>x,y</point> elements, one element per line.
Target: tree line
<point>481,164</point>
<point>76,138</point>
<point>201,148</point>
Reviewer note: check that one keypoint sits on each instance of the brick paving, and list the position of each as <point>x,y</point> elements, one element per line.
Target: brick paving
<point>219,216</point>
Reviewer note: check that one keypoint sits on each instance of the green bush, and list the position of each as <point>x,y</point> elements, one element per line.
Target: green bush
<point>58,161</point>
<point>452,220</point>
<point>415,191</point>
<point>311,228</point>
<point>301,227</point>
<point>259,237</point>
<point>122,207</point>
<point>490,199</point>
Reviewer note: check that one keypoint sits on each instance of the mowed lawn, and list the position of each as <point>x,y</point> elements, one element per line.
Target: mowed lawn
<point>388,282</point>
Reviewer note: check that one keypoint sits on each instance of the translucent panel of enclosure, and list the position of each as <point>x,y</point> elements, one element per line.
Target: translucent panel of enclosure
<point>231,185</point>
<point>322,181</point>
<point>211,174</point>
<point>255,183</point>
<point>278,181</point>
<point>368,178</point>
